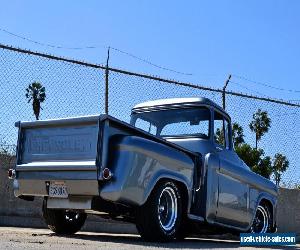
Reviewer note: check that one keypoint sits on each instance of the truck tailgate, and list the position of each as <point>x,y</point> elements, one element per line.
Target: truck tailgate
<point>57,152</point>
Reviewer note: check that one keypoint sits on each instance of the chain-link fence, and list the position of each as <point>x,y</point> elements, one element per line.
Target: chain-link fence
<point>75,88</point>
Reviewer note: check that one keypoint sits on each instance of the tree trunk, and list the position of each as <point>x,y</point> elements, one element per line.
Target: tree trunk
<point>36,108</point>
<point>277,179</point>
<point>256,140</point>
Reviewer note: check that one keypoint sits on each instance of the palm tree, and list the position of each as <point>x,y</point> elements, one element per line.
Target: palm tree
<point>280,165</point>
<point>260,124</point>
<point>219,136</point>
<point>237,135</point>
<point>35,93</point>
<point>255,159</point>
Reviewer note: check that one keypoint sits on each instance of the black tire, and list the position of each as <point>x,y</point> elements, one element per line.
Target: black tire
<point>183,230</point>
<point>262,222</point>
<point>160,217</point>
<point>63,221</point>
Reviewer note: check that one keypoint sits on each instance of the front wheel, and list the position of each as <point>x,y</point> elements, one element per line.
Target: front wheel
<point>262,220</point>
<point>160,217</point>
<point>63,221</point>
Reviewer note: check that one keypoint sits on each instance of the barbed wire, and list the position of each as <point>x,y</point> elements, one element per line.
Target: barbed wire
<point>251,90</point>
<point>191,85</point>
<point>265,84</point>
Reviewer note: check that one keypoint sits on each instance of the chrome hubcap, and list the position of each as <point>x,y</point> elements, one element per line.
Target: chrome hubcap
<point>71,216</point>
<point>167,209</point>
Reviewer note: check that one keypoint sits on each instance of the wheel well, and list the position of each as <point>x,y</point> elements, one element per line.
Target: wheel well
<point>182,188</point>
<point>184,196</point>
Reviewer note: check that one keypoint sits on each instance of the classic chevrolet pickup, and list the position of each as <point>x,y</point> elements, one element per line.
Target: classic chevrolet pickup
<point>163,171</point>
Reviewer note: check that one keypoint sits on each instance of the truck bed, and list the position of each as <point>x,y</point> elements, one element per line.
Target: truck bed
<point>73,152</point>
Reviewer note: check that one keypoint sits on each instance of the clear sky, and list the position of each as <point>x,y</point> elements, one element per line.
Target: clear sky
<point>256,39</point>
<point>210,39</point>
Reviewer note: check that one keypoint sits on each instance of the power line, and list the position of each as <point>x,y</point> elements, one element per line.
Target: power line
<point>286,114</point>
<point>95,47</point>
<point>148,62</point>
<point>46,44</point>
<point>266,85</point>
<point>257,92</point>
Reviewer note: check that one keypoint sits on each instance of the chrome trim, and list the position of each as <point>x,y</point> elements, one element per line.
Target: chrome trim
<point>167,219</point>
<point>58,166</point>
<point>40,188</point>
<point>13,174</point>
<point>195,217</point>
<point>59,122</point>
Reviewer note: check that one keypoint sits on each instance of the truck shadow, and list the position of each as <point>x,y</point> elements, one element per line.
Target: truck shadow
<point>190,243</point>
<point>138,241</point>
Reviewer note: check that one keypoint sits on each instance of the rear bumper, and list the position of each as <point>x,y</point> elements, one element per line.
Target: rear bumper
<point>33,179</point>
<point>33,187</point>
<point>73,202</point>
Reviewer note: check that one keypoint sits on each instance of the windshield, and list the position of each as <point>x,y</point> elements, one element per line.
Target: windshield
<point>183,122</point>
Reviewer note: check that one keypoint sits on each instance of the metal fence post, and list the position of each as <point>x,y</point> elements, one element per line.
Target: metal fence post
<point>224,91</point>
<point>106,83</point>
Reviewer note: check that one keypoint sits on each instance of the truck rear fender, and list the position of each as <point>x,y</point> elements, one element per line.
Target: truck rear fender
<point>182,185</point>
<point>139,164</point>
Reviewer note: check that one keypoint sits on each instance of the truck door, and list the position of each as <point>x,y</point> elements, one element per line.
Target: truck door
<point>233,192</point>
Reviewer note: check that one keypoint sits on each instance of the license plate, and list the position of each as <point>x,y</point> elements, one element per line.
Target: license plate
<point>58,190</point>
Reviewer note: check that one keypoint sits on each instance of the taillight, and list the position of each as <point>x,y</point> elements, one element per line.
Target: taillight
<point>106,174</point>
<point>11,174</point>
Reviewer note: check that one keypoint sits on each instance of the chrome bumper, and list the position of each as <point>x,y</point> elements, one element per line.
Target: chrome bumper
<point>33,187</point>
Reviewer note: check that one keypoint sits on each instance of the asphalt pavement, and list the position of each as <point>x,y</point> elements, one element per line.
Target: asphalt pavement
<point>28,238</point>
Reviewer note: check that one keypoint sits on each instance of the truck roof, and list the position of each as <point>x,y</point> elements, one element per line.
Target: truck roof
<point>178,102</point>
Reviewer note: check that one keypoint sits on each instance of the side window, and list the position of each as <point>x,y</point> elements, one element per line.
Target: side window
<point>146,126</point>
<point>221,131</point>
<point>219,135</point>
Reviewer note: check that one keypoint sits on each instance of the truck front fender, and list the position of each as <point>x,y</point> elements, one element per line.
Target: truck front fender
<point>271,201</point>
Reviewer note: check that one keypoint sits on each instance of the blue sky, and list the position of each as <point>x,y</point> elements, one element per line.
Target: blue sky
<point>255,39</point>
<point>210,39</point>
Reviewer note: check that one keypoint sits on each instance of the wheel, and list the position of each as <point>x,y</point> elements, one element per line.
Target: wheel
<point>262,220</point>
<point>185,225</point>
<point>63,221</point>
<point>160,217</point>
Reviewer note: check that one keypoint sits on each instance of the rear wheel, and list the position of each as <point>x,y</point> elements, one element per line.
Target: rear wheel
<point>63,221</point>
<point>160,217</point>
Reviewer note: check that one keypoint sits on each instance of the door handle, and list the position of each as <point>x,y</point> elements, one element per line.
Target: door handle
<point>219,149</point>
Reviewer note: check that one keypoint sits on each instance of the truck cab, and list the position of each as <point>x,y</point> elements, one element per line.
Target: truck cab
<point>201,126</point>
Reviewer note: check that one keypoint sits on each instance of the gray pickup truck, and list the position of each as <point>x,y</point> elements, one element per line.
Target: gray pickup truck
<point>163,171</point>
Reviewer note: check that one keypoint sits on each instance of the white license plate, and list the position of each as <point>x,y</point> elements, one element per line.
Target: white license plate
<point>58,189</point>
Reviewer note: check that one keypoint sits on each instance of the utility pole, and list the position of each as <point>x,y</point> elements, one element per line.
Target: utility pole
<point>224,91</point>
<point>106,82</point>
